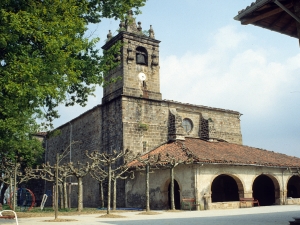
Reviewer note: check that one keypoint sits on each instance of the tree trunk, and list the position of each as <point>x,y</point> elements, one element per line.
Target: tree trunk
<point>115,194</point>
<point>147,188</point>
<point>172,188</point>
<point>80,193</point>
<point>4,188</point>
<point>65,194</point>
<point>56,187</point>
<point>101,194</point>
<point>109,189</point>
<point>15,188</point>
<point>61,196</point>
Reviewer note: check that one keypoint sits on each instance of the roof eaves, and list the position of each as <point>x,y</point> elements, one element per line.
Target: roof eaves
<point>251,8</point>
<point>220,162</point>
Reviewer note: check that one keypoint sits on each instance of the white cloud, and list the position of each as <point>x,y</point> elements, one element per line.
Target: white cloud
<point>242,79</point>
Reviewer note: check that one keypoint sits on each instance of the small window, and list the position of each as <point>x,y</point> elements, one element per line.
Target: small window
<point>141,56</point>
<point>187,125</point>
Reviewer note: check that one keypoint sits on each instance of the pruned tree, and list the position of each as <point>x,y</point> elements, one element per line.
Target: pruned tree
<point>13,174</point>
<point>147,163</point>
<point>111,166</point>
<point>172,161</point>
<point>98,173</point>
<point>79,172</point>
<point>56,173</point>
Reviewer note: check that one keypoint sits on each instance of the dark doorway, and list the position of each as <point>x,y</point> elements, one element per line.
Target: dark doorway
<point>293,187</point>
<point>224,189</point>
<point>264,190</point>
<point>176,195</point>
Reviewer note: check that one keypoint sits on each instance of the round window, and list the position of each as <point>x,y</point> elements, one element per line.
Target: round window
<point>187,125</point>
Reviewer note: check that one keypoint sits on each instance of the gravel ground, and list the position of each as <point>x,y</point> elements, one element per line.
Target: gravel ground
<point>268,215</point>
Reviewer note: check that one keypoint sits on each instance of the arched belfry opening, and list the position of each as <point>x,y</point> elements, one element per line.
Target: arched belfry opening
<point>141,56</point>
<point>224,188</point>
<point>176,195</point>
<point>264,190</point>
<point>293,187</point>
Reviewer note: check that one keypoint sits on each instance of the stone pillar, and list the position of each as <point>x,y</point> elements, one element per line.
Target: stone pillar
<point>248,194</point>
<point>296,4</point>
<point>241,194</point>
<point>282,199</point>
<point>207,201</point>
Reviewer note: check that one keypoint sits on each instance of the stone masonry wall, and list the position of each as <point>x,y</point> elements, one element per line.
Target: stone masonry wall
<point>112,129</point>
<point>210,123</point>
<point>86,129</point>
<point>145,124</point>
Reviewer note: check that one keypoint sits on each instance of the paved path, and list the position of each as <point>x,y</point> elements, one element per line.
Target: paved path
<point>268,215</point>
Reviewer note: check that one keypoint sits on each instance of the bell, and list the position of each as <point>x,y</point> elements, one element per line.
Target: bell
<point>140,59</point>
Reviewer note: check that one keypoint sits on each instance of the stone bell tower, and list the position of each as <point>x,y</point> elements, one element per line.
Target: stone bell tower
<point>138,72</point>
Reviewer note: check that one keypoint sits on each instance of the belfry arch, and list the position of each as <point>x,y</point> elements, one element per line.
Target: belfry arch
<point>266,190</point>
<point>225,188</point>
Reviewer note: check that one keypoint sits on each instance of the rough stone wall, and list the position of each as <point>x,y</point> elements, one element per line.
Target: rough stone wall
<point>112,128</point>
<point>133,86</point>
<point>210,123</point>
<point>129,69</point>
<point>86,130</point>
<point>145,124</point>
<point>175,128</point>
<point>114,89</point>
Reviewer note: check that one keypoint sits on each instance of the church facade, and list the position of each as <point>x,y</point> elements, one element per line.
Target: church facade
<point>134,116</point>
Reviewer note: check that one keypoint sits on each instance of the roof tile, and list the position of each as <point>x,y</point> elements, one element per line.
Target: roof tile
<point>221,152</point>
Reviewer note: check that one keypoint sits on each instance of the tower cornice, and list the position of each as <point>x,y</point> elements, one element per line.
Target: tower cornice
<point>130,36</point>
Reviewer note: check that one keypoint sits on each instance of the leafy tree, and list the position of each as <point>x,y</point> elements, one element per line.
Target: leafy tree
<point>46,59</point>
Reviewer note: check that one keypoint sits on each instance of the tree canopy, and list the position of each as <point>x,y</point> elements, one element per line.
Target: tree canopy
<point>46,60</point>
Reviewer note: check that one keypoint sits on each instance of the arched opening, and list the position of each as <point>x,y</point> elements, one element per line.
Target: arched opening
<point>141,56</point>
<point>293,187</point>
<point>264,190</point>
<point>224,189</point>
<point>176,195</point>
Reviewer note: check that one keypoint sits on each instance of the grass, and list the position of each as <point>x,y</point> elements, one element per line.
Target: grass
<point>49,212</point>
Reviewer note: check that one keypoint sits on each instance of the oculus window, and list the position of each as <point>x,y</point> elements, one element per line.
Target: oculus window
<point>187,125</point>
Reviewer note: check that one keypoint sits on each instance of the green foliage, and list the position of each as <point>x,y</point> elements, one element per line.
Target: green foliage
<point>143,126</point>
<point>46,60</point>
<point>145,33</point>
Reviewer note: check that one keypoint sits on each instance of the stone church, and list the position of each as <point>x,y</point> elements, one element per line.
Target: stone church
<point>134,116</point>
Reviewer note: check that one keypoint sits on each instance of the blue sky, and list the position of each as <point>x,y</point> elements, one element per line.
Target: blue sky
<point>208,58</point>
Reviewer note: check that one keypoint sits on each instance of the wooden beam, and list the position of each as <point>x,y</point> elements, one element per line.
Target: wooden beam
<point>282,15</point>
<point>264,15</point>
<point>287,25</point>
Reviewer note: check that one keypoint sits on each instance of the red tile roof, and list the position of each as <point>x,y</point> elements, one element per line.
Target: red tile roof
<point>220,152</point>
